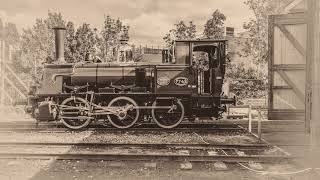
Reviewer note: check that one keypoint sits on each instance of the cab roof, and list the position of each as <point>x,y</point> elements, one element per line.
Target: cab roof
<point>202,40</point>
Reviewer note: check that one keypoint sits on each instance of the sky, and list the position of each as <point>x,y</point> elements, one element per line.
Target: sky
<point>149,20</point>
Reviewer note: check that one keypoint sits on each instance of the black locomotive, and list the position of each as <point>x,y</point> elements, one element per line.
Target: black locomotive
<point>187,83</point>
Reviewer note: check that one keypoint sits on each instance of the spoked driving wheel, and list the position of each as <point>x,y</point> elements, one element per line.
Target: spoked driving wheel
<point>74,113</point>
<point>124,112</point>
<point>169,117</point>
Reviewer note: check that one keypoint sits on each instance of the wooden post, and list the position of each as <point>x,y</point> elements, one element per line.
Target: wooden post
<point>250,118</point>
<point>226,87</point>
<point>313,56</point>
<point>259,123</point>
<point>2,74</point>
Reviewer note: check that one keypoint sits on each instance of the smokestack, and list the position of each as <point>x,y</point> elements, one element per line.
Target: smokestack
<point>59,33</point>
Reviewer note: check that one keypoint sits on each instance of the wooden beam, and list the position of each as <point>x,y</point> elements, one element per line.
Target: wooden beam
<point>14,87</point>
<point>281,87</point>
<point>290,83</point>
<point>9,97</point>
<point>290,19</point>
<point>298,11</point>
<point>289,67</point>
<point>6,66</point>
<point>292,39</point>
<point>291,5</point>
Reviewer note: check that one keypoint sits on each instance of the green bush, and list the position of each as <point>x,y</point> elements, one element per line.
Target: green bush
<point>247,81</point>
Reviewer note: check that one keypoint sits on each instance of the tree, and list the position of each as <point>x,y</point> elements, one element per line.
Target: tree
<point>70,43</point>
<point>246,82</point>
<point>256,45</point>
<point>125,33</point>
<point>181,31</point>
<point>255,48</point>
<point>214,27</point>
<point>112,32</point>
<point>191,30</point>
<point>86,41</point>
<point>37,43</point>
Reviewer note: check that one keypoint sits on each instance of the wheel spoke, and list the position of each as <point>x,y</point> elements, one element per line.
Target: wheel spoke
<point>167,119</point>
<point>71,119</point>
<point>131,115</point>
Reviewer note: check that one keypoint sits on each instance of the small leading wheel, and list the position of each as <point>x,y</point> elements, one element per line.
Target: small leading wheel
<point>167,117</point>
<point>124,112</point>
<point>74,113</point>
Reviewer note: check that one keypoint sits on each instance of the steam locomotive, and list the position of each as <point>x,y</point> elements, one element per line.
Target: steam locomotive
<point>185,84</point>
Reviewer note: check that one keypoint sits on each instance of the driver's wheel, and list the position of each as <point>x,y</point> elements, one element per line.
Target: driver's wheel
<point>125,112</point>
<point>167,118</point>
<point>74,113</point>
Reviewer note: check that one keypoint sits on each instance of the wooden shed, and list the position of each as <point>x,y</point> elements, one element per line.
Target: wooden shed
<point>294,61</point>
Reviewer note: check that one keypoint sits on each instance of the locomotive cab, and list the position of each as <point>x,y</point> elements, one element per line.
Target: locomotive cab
<point>204,60</point>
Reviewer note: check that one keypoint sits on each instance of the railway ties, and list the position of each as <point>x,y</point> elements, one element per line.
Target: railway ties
<point>187,154</point>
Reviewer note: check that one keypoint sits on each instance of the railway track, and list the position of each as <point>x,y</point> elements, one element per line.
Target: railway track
<point>142,152</point>
<point>207,128</point>
<point>63,130</point>
<point>231,153</point>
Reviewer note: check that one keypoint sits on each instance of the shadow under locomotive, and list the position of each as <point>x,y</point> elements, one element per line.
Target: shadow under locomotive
<point>187,84</point>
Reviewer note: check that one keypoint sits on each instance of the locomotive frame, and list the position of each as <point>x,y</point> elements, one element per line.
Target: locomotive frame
<point>182,86</point>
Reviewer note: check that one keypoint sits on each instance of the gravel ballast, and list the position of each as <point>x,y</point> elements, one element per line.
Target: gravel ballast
<point>128,137</point>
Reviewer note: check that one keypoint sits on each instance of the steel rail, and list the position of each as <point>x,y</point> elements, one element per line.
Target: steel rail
<point>146,157</point>
<point>133,156</point>
<point>111,130</point>
<point>139,124</point>
<point>145,145</point>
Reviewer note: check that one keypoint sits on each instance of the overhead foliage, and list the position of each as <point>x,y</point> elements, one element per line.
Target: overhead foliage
<point>256,44</point>
<point>70,43</point>
<point>112,31</point>
<point>81,43</point>
<point>86,43</point>
<point>181,31</point>
<point>254,47</point>
<point>37,43</point>
<point>214,27</point>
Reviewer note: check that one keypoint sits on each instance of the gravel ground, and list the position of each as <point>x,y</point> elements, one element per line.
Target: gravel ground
<point>14,114</point>
<point>21,169</point>
<point>128,137</point>
<point>40,170</point>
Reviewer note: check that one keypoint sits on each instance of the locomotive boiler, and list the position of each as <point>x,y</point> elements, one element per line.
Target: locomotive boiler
<point>186,83</point>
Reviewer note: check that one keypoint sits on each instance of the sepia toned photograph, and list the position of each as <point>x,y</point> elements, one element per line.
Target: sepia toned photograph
<point>159,90</point>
